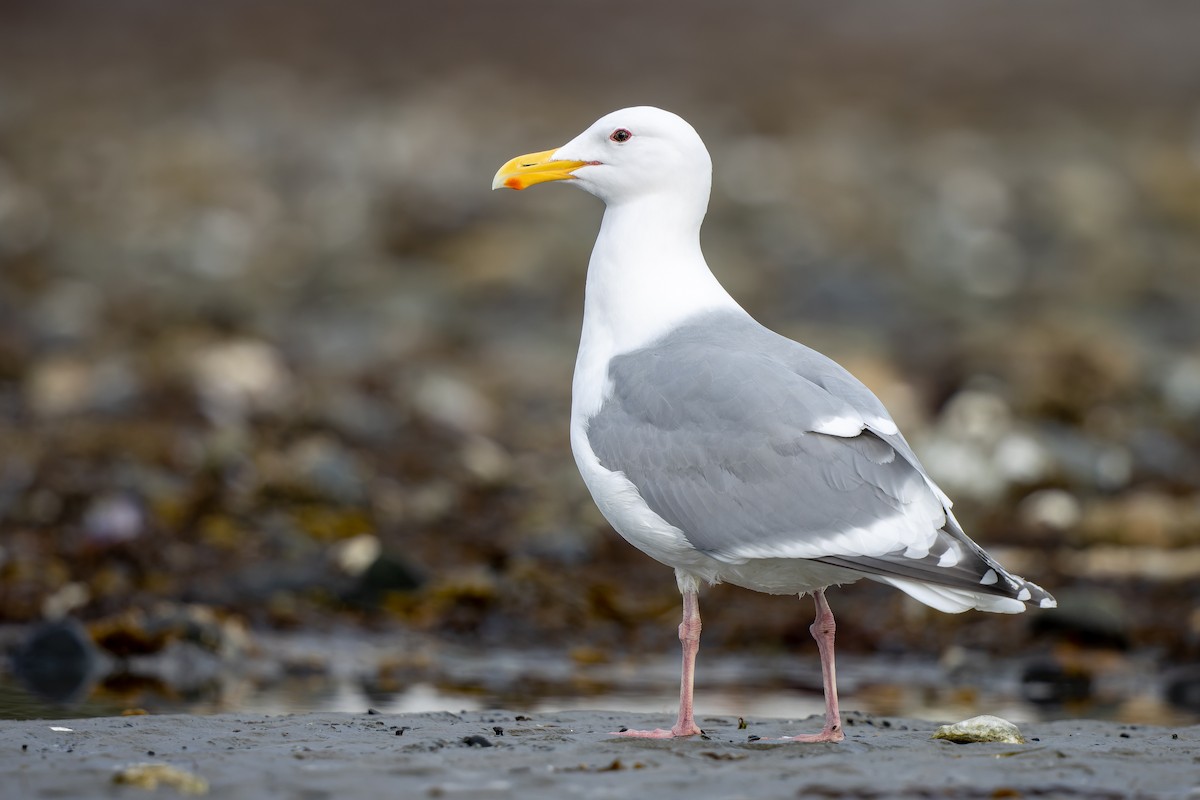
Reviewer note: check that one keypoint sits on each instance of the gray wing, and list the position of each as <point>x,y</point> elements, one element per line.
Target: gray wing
<point>758,447</point>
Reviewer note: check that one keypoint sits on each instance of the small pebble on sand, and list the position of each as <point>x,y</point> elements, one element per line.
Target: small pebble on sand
<point>984,728</point>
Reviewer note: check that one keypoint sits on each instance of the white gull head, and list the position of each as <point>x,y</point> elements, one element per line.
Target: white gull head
<point>641,151</point>
<point>629,154</point>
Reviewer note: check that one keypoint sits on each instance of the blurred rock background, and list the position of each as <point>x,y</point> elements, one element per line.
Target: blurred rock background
<point>272,356</point>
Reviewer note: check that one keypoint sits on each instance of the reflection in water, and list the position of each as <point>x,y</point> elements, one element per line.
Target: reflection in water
<point>766,686</point>
<point>1183,688</point>
<point>57,662</point>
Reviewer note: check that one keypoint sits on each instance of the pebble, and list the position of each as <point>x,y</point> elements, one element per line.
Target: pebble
<point>1051,508</point>
<point>150,776</point>
<point>1181,388</point>
<point>454,402</point>
<point>69,384</point>
<point>234,379</point>
<point>477,741</point>
<point>985,728</point>
<point>112,519</point>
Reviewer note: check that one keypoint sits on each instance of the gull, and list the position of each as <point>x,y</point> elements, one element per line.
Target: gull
<point>720,448</point>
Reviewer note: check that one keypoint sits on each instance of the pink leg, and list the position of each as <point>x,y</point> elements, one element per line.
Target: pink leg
<point>822,629</point>
<point>689,637</point>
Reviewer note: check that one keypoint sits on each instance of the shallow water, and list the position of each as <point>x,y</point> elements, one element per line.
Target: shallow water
<point>350,672</point>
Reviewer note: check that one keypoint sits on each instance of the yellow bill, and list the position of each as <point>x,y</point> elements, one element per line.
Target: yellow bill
<point>525,171</point>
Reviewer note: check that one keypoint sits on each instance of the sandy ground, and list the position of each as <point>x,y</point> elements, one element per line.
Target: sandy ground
<point>503,754</point>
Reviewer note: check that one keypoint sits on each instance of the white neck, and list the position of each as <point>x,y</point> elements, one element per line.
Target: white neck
<point>646,275</point>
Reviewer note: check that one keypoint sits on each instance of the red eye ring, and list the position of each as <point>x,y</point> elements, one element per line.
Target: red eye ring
<point>620,136</point>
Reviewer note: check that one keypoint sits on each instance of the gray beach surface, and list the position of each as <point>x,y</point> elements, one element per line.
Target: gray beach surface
<point>574,754</point>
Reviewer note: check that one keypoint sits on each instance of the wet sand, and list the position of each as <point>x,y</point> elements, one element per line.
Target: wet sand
<point>573,754</point>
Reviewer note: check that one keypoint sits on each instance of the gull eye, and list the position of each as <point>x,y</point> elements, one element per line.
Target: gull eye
<point>620,135</point>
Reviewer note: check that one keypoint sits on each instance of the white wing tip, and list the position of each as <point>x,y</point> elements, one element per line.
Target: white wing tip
<point>844,427</point>
<point>848,427</point>
<point>883,425</point>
